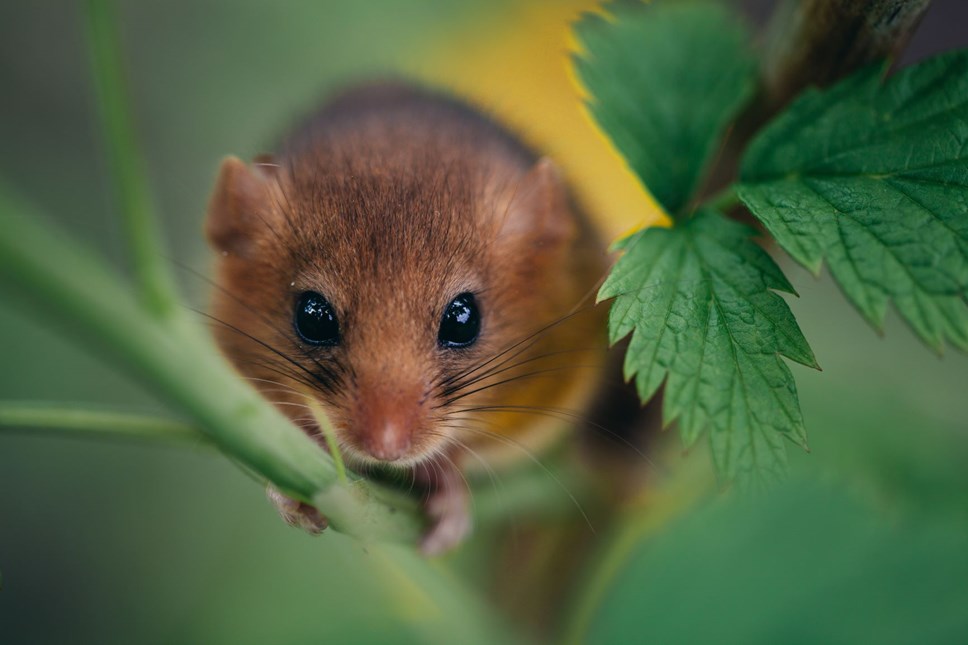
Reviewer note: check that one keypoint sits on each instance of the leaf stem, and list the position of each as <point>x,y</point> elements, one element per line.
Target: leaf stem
<point>183,367</point>
<point>93,423</point>
<point>522,492</point>
<point>133,196</point>
<point>327,427</point>
<point>725,200</point>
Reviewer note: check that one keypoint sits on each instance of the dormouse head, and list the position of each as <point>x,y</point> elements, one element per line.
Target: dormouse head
<point>396,280</point>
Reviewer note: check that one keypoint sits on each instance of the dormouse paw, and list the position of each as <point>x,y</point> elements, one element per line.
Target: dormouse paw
<point>296,513</point>
<point>447,509</point>
<point>450,523</point>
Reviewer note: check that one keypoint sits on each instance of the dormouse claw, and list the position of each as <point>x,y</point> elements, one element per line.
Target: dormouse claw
<point>296,513</point>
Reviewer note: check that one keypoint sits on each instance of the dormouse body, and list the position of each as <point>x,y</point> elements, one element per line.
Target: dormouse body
<point>419,273</point>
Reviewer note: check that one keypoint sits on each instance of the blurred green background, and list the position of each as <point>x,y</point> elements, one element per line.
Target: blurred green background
<point>110,542</point>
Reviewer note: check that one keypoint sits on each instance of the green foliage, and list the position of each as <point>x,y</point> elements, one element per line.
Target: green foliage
<point>145,331</point>
<point>873,176</point>
<point>667,78</point>
<point>664,83</point>
<point>806,564</point>
<point>697,300</point>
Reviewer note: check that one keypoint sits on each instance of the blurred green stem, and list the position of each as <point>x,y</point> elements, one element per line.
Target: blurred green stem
<point>157,342</point>
<point>725,200</point>
<point>526,491</point>
<point>170,356</point>
<point>134,201</point>
<point>98,424</point>
<point>149,335</point>
<point>635,524</point>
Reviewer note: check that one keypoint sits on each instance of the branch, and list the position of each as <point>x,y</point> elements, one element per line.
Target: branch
<point>817,42</point>
<point>525,491</point>
<point>97,424</point>
<point>177,362</point>
<point>133,195</point>
<point>814,43</point>
<point>447,609</point>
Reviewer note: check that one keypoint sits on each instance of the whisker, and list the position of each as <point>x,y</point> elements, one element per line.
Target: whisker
<point>510,442</point>
<point>255,310</point>
<point>534,336</point>
<point>467,485</point>
<point>494,371</point>
<point>496,483</point>
<point>272,349</point>
<point>229,294</point>
<point>517,377</point>
<point>569,415</point>
<point>281,369</point>
<point>477,456</point>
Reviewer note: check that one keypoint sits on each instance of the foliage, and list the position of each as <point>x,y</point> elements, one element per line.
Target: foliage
<point>146,333</point>
<point>718,341</point>
<point>699,301</point>
<point>871,176</point>
<point>663,85</point>
<point>807,564</point>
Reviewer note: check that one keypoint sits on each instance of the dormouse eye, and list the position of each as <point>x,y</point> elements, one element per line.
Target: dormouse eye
<point>461,322</point>
<point>315,320</point>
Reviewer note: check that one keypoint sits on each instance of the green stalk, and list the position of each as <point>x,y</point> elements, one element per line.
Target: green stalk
<point>133,197</point>
<point>97,424</point>
<point>525,491</point>
<point>331,443</point>
<point>725,200</point>
<point>76,290</point>
<point>150,337</point>
<point>455,618</point>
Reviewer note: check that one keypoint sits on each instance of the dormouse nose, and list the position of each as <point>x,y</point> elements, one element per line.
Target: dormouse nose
<point>387,418</point>
<point>388,440</point>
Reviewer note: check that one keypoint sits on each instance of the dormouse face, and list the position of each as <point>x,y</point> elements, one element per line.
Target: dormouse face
<point>401,298</point>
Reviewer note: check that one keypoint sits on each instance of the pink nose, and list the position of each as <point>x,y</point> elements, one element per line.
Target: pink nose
<point>387,416</point>
<point>388,441</point>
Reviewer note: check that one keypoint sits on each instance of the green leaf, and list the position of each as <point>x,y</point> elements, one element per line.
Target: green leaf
<point>697,300</point>
<point>873,177</point>
<point>665,79</point>
<point>805,563</point>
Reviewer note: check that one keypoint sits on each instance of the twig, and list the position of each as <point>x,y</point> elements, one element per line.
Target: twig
<point>182,367</point>
<point>817,42</point>
<point>134,201</point>
<point>97,424</point>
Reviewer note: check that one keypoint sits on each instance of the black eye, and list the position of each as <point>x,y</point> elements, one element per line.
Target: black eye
<point>461,322</point>
<point>315,320</point>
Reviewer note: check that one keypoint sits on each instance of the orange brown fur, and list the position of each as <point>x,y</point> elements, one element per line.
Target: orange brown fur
<point>391,201</point>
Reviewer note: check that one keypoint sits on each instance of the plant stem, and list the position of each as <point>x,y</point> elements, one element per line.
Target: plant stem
<point>817,42</point>
<point>98,424</point>
<point>725,200</point>
<point>184,367</point>
<point>522,492</point>
<point>134,201</point>
<point>330,435</point>
<point>814,43</point>
<point>655,509</point>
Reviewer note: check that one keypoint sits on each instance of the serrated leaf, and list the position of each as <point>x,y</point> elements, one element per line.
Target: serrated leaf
<point>872,177</point>
<point>665,79</point>
<point>698,300</point>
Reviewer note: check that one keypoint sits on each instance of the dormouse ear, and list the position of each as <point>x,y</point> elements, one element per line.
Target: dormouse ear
<point>239,203</point>
<point>540,208</point>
